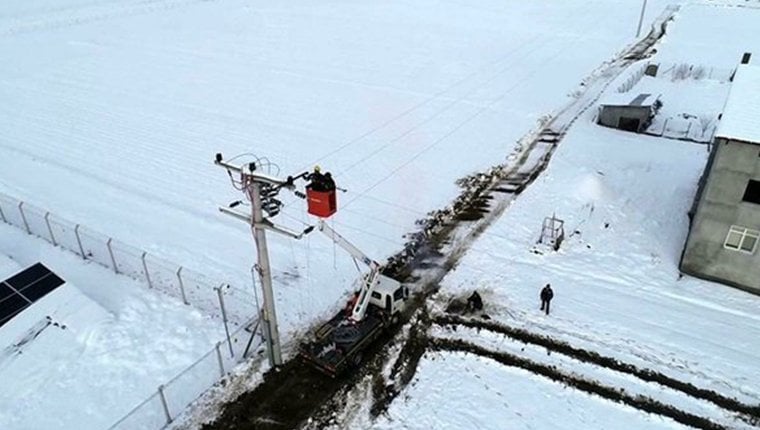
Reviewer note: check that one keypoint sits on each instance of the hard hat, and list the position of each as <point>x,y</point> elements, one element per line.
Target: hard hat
<point>317,169</point>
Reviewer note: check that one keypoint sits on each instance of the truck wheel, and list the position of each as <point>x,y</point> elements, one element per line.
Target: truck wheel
<point>394,319</point>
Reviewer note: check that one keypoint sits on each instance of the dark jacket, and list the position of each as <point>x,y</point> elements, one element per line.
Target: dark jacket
<point>547,293</point>
<point>320,182</point>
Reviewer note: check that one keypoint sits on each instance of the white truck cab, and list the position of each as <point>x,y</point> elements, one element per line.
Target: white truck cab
<point>389,295</point>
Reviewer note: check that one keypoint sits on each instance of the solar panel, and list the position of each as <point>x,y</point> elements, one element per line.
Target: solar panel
<point>23,289</point>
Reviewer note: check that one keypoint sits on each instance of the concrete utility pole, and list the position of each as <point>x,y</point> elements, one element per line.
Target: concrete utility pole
<point>641,18</point>
<point>261,189</point>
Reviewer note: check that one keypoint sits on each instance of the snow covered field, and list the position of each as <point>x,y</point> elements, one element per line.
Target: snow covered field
<point>119,343</point>
<point>506,398</point>
<point>615,277</point>
<point>624,199</point>
<point>112,112</point>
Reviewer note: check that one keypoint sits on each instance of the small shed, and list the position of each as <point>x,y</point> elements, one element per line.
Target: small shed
<point>627,112</point>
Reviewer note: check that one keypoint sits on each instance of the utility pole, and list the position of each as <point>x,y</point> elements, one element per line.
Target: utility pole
<point>641,18</point>
<point>261,190</point>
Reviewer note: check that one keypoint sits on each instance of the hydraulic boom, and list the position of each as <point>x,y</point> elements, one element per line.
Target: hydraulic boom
<point>369,281</point>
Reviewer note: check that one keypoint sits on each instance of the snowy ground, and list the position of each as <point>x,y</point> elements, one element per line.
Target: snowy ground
<point>121,340</point>
<point>624,199</point>
<point>112,112</point>
<point>7,267</point>
<point>506,398</point>
<point>125,103</point>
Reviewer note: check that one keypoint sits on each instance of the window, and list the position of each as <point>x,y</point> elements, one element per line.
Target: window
<point>376,295</point>
<point>398,294</point>
<point>742,239</point>
<point>752,192</point>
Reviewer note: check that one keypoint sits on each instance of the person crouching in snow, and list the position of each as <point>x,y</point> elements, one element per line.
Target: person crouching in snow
<point>546,297</point>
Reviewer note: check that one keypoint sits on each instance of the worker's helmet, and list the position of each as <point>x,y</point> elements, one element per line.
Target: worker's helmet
<point>317,169</point>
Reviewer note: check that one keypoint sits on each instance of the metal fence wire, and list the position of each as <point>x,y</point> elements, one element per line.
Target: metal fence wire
<point>220,300</point>
<point>175,395</point>
<point>188,285</point>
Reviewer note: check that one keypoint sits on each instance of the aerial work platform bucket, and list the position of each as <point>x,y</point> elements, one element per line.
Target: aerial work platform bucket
<point>322,203</point>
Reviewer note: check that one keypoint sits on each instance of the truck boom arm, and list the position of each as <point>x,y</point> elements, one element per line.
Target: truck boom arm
<point>345,244</point>
<point>369,281</point>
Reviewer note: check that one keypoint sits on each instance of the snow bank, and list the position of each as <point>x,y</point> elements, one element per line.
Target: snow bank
<point>112,342</point>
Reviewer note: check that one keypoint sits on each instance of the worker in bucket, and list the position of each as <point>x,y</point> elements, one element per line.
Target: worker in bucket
<point>329,182</point>
<point>547,294</point>
<point>319,181</point>
<point>316,180</point>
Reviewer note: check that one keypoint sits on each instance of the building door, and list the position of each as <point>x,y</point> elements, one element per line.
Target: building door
<point>629,124</point>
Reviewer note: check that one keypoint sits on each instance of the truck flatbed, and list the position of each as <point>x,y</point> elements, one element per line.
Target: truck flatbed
<point>339,342</point>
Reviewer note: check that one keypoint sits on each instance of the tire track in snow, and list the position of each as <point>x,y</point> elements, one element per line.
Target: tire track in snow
<point>646,404</point>
<point>752,413</point>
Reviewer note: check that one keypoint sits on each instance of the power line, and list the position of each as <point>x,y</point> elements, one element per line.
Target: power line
<point>463,123</point>
<point>423,103</point>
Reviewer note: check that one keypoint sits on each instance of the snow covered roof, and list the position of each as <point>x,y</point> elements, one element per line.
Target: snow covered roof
<point>7,266</point>
<point>629,99</point>
<point>741,116</point>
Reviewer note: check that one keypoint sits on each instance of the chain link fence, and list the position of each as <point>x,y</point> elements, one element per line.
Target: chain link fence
<point>220,300</point>
<point>172,397</point>
<point>193,288</point>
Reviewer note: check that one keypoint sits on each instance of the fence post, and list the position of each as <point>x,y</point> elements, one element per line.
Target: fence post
<point>163,402</point>
<point>182,285</point>
<point>50,229</point>
<point>224,318</point>
<point>2,215</point>
<point>110,251</point>
<point>23,217</point>
<point>79,242</point>
<point>219,357</point>
<point>688,129</point>
<point>145,267</point>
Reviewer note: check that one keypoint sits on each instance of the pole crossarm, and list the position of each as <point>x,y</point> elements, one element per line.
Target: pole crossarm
<point>265,224</point>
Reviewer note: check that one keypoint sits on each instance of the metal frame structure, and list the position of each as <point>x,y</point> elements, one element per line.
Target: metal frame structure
<point>552,232</point>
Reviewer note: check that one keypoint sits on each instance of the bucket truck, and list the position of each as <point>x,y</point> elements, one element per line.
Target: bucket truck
<point>340,342</point>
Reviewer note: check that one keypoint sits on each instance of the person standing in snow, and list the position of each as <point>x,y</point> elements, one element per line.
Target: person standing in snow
<point>474,302</point>
<point>547,294</point>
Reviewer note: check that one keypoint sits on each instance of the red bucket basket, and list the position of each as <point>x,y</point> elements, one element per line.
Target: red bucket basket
<point>321,203</point>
